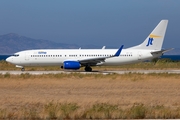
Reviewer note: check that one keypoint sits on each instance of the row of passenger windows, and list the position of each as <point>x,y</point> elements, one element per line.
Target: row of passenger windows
<point>126,55</point>
<point>95,55</point>
<point>77,55</point>
<point>46,55</point>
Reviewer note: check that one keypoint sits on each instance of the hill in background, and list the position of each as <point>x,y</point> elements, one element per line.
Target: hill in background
<point>11,43</point>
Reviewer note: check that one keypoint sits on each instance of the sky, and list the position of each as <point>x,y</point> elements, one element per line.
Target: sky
<point>95,22</point>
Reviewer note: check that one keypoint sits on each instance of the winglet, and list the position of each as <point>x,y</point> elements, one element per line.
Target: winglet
<point>119,51</point>
<point>103,47</point>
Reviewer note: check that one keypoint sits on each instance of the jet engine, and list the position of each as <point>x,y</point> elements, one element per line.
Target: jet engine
<point>71,65</point>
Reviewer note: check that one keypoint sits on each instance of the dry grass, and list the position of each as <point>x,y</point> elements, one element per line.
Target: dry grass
<point>59,95</point>
<point>76,95</point>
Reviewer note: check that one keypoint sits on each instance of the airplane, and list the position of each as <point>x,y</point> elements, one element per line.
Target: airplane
<point>74,59</point>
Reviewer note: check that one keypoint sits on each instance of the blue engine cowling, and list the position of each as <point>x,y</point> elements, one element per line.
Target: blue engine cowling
<point>71,65</point>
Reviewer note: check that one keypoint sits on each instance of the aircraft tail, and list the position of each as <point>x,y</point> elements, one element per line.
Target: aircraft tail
<point>155,40</point>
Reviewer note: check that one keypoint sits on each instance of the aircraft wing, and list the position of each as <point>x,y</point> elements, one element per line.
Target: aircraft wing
<point>94,61</point>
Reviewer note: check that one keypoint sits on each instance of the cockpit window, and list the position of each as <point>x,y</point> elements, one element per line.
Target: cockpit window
<point>16,55</point>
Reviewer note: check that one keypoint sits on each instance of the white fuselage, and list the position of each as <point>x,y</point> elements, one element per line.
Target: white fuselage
<point>56,57</point>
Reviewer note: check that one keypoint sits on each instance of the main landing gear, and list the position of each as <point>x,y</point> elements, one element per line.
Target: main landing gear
<point>88,69</point>
<point>22,69</point>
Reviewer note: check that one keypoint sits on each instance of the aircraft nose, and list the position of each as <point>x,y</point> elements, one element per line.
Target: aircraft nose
<point>9,59</point>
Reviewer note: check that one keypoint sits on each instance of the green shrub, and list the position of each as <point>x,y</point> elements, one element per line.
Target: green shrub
<point>3,113</point>
<point>52,110</point>
<point>25,75</point>
<point>101,110</point>
<point>7,75</point>
<point>138,111</point>
<point>67,109</point>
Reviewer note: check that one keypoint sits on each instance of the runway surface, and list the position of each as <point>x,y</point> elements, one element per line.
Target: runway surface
<point>94,72</point>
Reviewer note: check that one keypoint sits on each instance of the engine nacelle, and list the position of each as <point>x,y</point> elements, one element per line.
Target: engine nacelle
<point>71,65</point>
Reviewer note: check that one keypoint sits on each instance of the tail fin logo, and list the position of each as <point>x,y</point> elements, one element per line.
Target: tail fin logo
<point>150,41</point>
<point>151,38</point>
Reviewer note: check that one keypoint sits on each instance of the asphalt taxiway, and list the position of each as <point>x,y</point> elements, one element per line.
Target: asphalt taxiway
<point>94,72</point>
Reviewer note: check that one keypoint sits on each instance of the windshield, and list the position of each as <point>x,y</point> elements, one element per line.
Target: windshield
<point>16,55</point>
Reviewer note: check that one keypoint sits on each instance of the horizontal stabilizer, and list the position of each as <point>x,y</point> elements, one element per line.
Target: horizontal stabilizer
<point>162,51</point>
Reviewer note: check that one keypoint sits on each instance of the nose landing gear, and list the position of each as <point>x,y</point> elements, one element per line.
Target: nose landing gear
<point>22,68</point>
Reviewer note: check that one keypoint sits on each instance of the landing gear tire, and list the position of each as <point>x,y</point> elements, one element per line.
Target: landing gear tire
<point>88,69</point>
<point>22,69</point>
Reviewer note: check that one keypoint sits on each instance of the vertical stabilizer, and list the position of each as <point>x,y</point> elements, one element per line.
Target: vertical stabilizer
<point>155,39</point>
